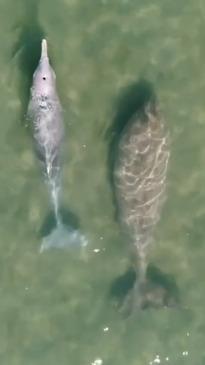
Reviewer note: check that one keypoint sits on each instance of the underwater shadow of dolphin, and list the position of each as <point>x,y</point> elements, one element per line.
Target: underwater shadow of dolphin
<point>161,289</point>
<point>27,50</point>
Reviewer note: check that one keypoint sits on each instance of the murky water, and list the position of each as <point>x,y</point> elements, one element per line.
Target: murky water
<point>56,307</point>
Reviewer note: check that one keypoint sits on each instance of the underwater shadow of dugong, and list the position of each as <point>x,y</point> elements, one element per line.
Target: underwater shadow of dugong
<point>27,50</point>
<point>67,217</point>
<point>132,99</point>
<point>121,287</point>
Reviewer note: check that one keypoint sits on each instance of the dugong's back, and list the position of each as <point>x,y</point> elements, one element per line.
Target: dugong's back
<point>140,174</point>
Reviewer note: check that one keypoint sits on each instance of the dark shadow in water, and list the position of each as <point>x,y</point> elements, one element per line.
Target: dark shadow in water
<point>155,280</point>
<point>122,285</point>
<point>27,50</point>
<point>67,217</point>
<point>132,100</point>
<point>166,281</point>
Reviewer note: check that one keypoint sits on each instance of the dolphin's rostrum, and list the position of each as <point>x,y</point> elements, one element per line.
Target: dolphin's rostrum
<point>45,114</point>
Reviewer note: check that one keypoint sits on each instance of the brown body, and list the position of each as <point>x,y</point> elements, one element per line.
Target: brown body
<point>140,178</point>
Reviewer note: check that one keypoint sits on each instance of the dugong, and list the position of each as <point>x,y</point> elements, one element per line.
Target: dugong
<point>140,174</point>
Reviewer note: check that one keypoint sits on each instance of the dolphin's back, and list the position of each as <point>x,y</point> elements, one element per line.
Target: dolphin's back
<point>47,124</point>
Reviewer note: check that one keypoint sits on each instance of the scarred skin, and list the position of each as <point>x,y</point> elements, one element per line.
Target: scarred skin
<point>140,181</point>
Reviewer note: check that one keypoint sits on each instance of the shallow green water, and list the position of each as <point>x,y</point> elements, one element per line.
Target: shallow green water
<point>55,307</point>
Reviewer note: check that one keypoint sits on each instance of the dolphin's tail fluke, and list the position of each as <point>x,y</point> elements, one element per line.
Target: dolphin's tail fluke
<point>63,237</point>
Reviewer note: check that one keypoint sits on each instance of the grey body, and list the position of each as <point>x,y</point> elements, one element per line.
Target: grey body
<point>45,113</point>
<point>140,176</point>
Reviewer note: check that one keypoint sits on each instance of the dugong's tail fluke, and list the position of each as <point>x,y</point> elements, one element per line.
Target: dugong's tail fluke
<point>150,289</point>
<point>63,237</point>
